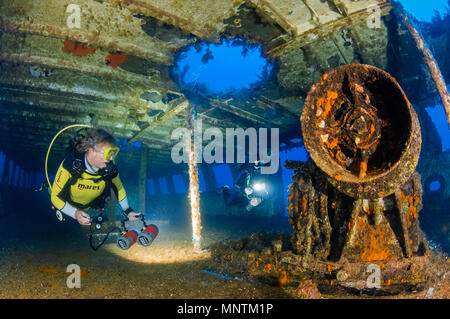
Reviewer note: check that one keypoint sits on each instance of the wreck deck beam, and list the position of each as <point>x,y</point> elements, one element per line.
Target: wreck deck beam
<point>96,34</point>
<point>240,112</point>
<point>119,74</point>
<point>432,65</point>
<point>161,119</point>
<point>326,29</point>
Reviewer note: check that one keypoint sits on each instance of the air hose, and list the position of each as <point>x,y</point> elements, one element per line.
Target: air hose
<point>50,147</point>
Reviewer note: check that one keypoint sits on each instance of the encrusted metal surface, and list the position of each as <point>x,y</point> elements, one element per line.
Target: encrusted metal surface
<point>361,130</point>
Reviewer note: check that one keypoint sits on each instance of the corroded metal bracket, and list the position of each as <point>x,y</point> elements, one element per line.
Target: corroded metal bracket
<point>361,130</point>
<point>358,198</point>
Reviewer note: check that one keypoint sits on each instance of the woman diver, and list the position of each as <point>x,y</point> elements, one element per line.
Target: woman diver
<point>87,175</point>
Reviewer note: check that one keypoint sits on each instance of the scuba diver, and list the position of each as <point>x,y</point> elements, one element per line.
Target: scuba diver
<point>85,179</point>
<point>246,188</point>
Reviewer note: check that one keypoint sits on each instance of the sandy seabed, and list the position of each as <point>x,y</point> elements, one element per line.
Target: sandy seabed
<point>169,269</point>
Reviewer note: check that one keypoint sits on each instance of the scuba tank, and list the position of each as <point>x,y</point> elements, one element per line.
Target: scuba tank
<point>137,231</point>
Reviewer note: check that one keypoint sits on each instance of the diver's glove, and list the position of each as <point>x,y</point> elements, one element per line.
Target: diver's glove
<point>129,210</point>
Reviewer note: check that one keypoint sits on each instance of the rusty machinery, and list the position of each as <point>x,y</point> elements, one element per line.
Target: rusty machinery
<point>357,200</point>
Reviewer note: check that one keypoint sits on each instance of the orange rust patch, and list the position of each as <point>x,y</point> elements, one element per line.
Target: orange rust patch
<point>48,270</point>
<point>115,59</point>
<point>332,143</point>
<point>362,169</point>
<point>54,286</point>
<point>412,212</point>
<point>375,251</point>
<point>305,203</point>
<point>283,279</point>
<point>412,207</point>
<point>76,48</point>
<point>328,102</point>
<point>83,272</point>
<point>291,195</point>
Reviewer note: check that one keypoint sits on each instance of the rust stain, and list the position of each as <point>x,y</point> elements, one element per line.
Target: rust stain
<point>291,195</point>
<point>327,103</point>
<point>375,251</point>
<point>115,59</point>
<point>283,279</point>
<point>48,270</point>
<point>304,204</point>
<point>76,48</point>
<point>362,169</point>
<point>83,272</point>
<point>411,213</point>
<point>332,142</point>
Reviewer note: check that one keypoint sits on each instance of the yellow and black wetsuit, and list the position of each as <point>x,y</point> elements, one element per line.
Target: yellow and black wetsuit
<point>69,195</point>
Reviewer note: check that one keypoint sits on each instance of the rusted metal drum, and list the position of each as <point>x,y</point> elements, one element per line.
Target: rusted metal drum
<point>361,130</point>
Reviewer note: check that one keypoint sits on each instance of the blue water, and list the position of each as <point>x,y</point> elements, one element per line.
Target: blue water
<point>438,116</point>
<point>221,68</point>
<point>222,173</point>
<point>425,10</point>
<point>178,182</point>
<point>435,186</point>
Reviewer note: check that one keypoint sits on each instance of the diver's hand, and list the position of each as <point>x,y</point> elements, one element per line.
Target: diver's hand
<point>82,218</point>
<point>132,216</point>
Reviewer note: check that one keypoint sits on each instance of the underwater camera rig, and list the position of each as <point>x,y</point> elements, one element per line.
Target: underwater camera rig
<point>137,231</point>
<point>130,231</point>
